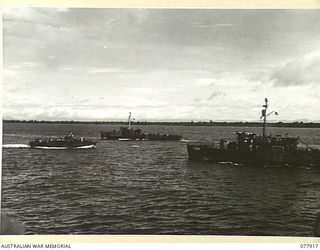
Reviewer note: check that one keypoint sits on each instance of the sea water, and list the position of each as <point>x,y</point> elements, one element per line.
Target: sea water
<point>149,187</point>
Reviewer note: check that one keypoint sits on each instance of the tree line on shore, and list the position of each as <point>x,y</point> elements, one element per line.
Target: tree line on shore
<point>181,123</point>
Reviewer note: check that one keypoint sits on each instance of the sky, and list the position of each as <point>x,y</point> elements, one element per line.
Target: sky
<point>160,64</point>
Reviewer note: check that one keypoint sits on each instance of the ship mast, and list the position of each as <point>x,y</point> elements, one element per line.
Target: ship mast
<point>129,120</point>
<point>264,115</point>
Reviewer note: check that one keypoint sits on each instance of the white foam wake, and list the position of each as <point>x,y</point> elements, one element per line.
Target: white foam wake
<point>15,146</point>
<point>184,140</point>
<point>229,163</point>
<point>84,147</point>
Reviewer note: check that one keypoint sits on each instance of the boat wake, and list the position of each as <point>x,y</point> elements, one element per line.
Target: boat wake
<point>230,163</point>
<point>86,147</point>
<point>15,146</point>
<point>184,140</point>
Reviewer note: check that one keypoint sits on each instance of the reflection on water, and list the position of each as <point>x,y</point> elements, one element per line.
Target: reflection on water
<point>151,187</point>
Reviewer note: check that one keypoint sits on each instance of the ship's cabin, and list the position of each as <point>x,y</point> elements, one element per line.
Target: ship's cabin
<point>257,143</point>
<point>127,131</point>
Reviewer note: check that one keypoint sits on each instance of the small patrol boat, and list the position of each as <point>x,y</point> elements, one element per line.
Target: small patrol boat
<point>67,142</point>
<point>130,134</point>
<point>253,149</point>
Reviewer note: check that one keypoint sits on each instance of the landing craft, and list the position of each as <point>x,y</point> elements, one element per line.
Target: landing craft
<point>67,142</point>
<point>130,134</point>
<point>253,149</point>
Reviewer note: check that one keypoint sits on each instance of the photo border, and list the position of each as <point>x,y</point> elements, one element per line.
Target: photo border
<point>176,4</point>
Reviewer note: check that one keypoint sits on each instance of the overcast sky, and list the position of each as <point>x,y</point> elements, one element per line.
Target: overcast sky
<point>161,64</point>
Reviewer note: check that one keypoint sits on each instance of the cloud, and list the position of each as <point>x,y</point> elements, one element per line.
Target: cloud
<point>94,70</point>
<point>84,101</point>
<point>303,71</point>
<point>216,94</point>
<point>158,63</point>
<point>205,81</point>
<point>21,68</point>
<point>215,25</point>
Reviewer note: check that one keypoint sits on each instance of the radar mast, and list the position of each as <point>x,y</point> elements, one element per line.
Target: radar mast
<point>264,115</point>
<point>129,120</point>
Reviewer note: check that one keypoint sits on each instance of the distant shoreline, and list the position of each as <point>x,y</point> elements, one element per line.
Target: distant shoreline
<point>191,123</point>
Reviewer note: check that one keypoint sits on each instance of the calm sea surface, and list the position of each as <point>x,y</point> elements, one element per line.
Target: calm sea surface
<point>124,187</point>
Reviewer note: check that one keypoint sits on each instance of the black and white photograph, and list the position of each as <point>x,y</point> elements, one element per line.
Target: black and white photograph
<point>160,121</point>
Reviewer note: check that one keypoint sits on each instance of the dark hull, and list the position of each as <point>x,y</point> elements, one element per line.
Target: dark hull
<point>139,137</point>
<point>204,152</point>
<point>164,137</point>
<point>63,144</point>
<point>112,136</point>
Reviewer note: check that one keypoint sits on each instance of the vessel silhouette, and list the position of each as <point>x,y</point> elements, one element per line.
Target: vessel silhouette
<point>253,149</point>
<point>130,134</point>
<point>67,142</point>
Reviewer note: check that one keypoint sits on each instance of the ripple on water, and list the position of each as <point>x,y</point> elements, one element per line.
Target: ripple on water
<point>151,188</point>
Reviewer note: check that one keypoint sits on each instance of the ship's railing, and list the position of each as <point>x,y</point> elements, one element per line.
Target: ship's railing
<point>211,144</point>
<point>306,147</point>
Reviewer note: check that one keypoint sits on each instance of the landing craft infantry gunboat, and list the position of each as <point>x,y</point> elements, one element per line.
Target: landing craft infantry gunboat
<point>67,142</point>
<point>253,149</point>
<point>129,134</point>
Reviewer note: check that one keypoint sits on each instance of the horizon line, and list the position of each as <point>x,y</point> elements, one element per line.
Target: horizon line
<point>159,121</point>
